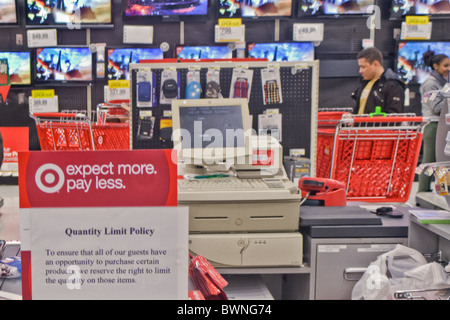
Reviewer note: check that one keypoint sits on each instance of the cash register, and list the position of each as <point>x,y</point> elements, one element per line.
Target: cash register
<point>235,186</point>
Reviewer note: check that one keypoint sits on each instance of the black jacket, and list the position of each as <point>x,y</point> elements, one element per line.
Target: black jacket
<point>388,92</point>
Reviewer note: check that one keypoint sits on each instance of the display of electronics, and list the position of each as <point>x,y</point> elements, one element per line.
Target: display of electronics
<point>254,8</point>
<point>335,7</point>
<point>70,14</point>
<point>140,10</point>
<point>289,51</point>
<point>119,59</point>
<point>19,63</point>
<point>410,65</point>
<point>65,65</point>
<point>8,12</point>
<point>204,52</point>
<point>210,129</point>
<point>435,8</point>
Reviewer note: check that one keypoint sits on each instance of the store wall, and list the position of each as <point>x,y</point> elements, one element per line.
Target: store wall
<point>339,72</point>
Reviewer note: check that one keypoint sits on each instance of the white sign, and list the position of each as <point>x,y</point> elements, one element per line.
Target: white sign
<point>107,253</point>
<point>416,31</point>
<point>43,105</point>
<point>114,94</point>
<point>308,32</point>
<point>230,34</point>
<point>42,38</point>
<point>138,34</point>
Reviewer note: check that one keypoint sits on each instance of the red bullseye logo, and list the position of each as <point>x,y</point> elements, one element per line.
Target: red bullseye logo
<point>49,178</point>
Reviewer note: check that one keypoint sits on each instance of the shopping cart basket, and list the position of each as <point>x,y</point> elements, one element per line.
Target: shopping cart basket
<point>375,157</point>
<point>64,131</point>
<point>110,132</point>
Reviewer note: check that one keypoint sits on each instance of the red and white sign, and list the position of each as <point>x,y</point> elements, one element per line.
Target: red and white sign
<point>15,139</point>
<point>93,221</point>
<point>97,179</point>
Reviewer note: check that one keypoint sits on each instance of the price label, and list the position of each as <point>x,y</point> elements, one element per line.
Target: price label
<point>226,23</point>
<point>38,105</point>
<point>230,34</point>
<point>42,94</point>
<point>138,34</point>
<point>416,31</point>
<point>308,32</point>
<point>118,84</point>
<point>417,19</point>
<point>116,93</point>
<point>42,38</point>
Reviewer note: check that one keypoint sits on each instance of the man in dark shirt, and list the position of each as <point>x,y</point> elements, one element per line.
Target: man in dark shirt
<point>379,87</point>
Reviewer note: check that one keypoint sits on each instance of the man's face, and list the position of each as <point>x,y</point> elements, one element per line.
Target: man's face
<point>367,70</point>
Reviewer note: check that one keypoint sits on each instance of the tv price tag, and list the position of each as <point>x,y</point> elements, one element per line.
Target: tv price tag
<point>308,32</point>
<point>42,38</point>
<point>116,93</point>
<point>230,34</point>
<point>138,34</point>
<point>39,105</point>
<point>416,31</point>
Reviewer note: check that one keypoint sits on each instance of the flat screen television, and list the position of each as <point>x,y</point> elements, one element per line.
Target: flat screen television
<point>119,59</point>
<point>8,12</point>
<point>335,7</point>
<point>68,14</point>
<point>289,51</point>
<point>434,8</point>
<point>252,9</point>
<point>204,52</point>
<point>142,10</point>
<point>410,65</point>
<point>19,63</point>
<point>64,65</point>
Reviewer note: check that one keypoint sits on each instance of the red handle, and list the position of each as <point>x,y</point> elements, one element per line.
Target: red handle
<point>56,115</point>
<point>387,119</point>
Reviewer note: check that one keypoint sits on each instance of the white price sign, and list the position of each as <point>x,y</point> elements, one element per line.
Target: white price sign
<point>42,38</point>
<point>40,105</point>
<point>138,34</point>
<point>230,34</point>
<point>416,31</point>
<point>308,32</point>
<point>112,94</point>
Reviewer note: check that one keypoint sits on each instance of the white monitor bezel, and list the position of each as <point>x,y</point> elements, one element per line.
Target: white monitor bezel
<point>199,156</point>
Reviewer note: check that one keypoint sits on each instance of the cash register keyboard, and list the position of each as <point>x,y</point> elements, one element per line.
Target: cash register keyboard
<point>231,183</point>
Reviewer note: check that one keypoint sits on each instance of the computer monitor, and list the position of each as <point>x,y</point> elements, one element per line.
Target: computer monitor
<point>8,12</point>
<point>211,131</point>
<point>335,7</point>
<point>71,14</point>
<point>410,65</point>
<point>164,10</point>
<point>119,59</point>
<point>204,52</point>
<point>288,51</point>
<point>19,63</point>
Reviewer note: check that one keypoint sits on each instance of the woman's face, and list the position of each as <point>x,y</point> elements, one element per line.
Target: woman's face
<point>443,68</point>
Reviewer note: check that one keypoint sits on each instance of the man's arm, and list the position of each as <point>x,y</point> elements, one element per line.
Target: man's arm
<point>394,97</point>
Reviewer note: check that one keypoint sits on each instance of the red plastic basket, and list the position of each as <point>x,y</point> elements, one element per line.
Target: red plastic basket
<point>114,136</point>
<point>375,157</point>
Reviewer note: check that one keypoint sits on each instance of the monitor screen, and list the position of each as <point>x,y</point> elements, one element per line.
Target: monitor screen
<point>204,52</point>
<point>19,64</point>
<point>295,51</point>
<point>146,8</point>
<point>266,8</point>
<point>73,14</point>
<point>64,64</point>
<point>207,129</point>
<point>410,65</point>
<point>335,7</point>
<point>432,7</point>
<point>119,60</point>
<point>8,12</point>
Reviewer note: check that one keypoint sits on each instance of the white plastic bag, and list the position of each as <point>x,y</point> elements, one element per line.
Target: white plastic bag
<point>389,273</point>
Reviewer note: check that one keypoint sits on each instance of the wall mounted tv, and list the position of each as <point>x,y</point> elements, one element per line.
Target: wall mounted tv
<point>289,51</point>
<point>119,59</point>
<point>64,65</point>
<point>170,10</point>
<point>8,12</point>
<point>203,52</point>
<point>434,8</point>
<point>69,14</point>
<point>19,63</point>
<point>410,65</point>
<point>255,8</point>
<point>335,7</point>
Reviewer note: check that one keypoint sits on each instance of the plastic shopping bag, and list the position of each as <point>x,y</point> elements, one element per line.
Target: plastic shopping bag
<point>387,274</point>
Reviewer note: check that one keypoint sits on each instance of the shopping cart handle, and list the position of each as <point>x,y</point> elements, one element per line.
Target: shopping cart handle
<point>58,115</point>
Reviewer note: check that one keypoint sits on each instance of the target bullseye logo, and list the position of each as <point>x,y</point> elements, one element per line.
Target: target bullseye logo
<point>49,178</point>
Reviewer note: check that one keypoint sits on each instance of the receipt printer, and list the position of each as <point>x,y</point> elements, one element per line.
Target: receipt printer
<point>323,192</point>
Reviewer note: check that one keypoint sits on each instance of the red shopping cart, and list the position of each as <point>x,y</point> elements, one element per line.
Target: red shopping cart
<point>375,156</point>
<point>75,131</point>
